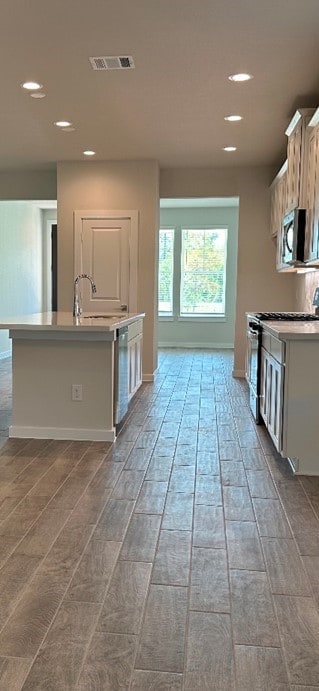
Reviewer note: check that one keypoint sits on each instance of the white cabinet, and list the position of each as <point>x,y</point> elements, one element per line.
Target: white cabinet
<point>290,394</point>
<point>278,200</point>
<point>135,351</point>
<point>272,378</point>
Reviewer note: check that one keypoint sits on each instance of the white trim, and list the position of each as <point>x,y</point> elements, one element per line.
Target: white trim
<point>314,121</point>
<point>148,377</point>
<point>73,434</point>
<point>5,354</point>
<point>209,319</point>
<point>238,373</point>
<point>301,112</point>
<point>129,215</point>
<point>202,346</point>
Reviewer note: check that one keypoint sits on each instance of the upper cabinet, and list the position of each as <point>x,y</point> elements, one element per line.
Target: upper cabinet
<point>296,186</point>
<point>297,155</point>
<point>278,200</point>
<point>312,192</point>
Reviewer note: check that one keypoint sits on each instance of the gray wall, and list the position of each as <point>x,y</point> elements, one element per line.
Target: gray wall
<point>106,185</point>
<point>134,184</point>
<point>197,332</point>
<point>259,286</point>
<point>28,184</point>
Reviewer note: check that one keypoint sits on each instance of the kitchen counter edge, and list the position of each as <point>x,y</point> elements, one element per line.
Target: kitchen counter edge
<point>64,321</point>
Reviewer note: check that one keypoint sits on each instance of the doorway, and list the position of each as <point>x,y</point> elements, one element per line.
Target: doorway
<point>197,272</point>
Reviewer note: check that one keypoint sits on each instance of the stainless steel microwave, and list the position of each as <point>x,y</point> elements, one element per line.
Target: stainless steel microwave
<point>293,237</point>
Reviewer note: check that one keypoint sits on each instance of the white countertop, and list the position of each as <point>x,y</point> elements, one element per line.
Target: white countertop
<point>289,330</point>
<point>285,330</point>
<point>64,321</point>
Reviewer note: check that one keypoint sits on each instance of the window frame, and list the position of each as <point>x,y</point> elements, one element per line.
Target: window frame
<point>162,315</point>
<point>177,271</point>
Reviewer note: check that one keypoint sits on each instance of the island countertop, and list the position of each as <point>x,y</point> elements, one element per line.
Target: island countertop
<point>64,321</point>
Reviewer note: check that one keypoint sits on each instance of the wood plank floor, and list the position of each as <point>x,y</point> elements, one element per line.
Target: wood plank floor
<point>184,557</point>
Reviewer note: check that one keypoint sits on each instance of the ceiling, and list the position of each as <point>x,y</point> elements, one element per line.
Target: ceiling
<point>171,107</point>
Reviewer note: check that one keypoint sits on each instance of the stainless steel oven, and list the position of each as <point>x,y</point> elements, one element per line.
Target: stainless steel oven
<point>253,361</point>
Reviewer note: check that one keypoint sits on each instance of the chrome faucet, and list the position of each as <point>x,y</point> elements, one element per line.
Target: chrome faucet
<point>77,307</point>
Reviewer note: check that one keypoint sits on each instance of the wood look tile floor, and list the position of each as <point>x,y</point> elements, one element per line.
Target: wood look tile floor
<point>184,557</point>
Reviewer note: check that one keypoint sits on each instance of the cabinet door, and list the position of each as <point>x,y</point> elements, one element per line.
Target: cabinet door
<point>275,401</point>
<point>271,399</point>
<point>263,386</point>
<point>312,200</point>
<point>278,204</point>
<point>135,363</point>
<point>293,172</point>
<point>315,217</point>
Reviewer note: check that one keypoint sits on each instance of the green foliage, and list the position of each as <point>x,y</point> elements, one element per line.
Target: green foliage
<point>203,269</point>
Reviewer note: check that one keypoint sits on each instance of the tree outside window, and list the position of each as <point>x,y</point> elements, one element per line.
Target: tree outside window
<point>202,271</point>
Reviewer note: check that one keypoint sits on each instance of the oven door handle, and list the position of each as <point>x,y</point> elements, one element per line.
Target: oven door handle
<point>254,328</point>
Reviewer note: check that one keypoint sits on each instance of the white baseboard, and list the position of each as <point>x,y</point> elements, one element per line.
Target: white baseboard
<point>71,434</point>
<point>148,377</point>
<point>201,346</point>
<point>5,354</point>
<point>238,373</point>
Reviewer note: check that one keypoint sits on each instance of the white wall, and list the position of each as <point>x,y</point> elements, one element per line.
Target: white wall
<point>198,333</point>
<point>21,275</point>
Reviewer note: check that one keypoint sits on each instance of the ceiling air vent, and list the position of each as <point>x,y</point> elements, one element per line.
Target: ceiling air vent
<point>113,62</point>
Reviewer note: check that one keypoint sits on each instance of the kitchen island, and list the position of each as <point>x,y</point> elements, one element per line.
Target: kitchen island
<point>63,374</point>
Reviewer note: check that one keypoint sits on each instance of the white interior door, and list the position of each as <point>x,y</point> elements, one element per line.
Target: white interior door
<point>106,249</point>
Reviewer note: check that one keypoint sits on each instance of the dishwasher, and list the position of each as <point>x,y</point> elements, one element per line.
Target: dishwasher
<point>120,375</point>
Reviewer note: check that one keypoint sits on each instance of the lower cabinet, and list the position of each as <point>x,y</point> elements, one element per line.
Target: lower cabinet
<point>271,402</point>
<point>289,400</point>
<point>135,351</point>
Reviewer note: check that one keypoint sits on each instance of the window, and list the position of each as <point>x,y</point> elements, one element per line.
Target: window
<point>200,272</point>
<point>203,272</point>
<point>166,272</point>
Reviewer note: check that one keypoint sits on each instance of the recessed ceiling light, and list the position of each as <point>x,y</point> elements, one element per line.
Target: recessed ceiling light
<point>63,123</point>
<point>230,148</point>
<point>240,77</point>
<point>31,86</point>
<point>38,94</point>
<point>233,118</point>
<point>89,153</point>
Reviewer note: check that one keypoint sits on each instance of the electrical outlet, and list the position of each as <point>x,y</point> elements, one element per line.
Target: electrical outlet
<point>77,392</point>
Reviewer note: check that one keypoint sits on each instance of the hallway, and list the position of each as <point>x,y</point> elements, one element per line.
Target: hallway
<point>184,557</point>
